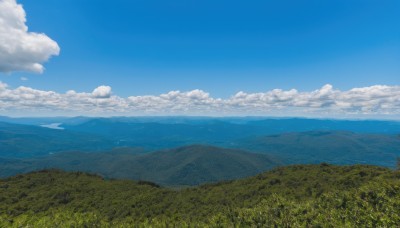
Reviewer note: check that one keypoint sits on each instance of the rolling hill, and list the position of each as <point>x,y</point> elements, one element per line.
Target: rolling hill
<point>190,165</point>
<point>295,196</point>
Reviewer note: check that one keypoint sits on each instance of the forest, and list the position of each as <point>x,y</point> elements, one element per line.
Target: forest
<point>320,195</point>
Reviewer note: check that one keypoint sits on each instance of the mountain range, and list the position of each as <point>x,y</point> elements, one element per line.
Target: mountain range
<point>18,140</point>
<point>178,151</point>
<point>336,147</point>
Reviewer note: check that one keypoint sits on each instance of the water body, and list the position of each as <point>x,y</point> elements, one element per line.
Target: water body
<point>53,126</point>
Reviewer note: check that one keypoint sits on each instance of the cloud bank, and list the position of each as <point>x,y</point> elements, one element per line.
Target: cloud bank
<point>21,50</point>
<point>375,100</point>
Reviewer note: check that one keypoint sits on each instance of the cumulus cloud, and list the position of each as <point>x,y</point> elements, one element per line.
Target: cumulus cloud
<point>21,50</point>
<point>378,100</point>
<point>102,92</point>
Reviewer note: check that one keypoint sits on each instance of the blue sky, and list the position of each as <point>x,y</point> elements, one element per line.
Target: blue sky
<point>183,57</point>
<point>222,47</point>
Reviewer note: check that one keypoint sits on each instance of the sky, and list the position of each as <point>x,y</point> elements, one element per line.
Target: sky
<point>147,57</point>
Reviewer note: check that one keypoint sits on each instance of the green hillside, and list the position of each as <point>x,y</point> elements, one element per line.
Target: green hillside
<point>190,165</point>
<point>302,195</point>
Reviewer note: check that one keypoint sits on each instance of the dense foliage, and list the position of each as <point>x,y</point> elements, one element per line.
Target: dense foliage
<point>301,195</point>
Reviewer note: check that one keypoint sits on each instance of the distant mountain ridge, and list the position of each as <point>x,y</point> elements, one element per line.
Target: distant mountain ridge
<point>337,147</point>
<point>268,125</point>
<point>290,140</point>
<point>18,140</point>
<point>219,131</point>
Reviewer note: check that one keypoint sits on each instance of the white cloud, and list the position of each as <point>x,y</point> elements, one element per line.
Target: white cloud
<point>102,92</point>
<point>21,50</point>
<point>378,100</point>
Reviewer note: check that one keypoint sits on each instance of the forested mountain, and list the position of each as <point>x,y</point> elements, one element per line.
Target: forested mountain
<point>295,196</point>
<point>191,165</point>
<point>300,195</point>
<point>295,140</point>
<point>81,132</point>
<point>338,147</point>
<point>173,132</point>
<point>285,125</point>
